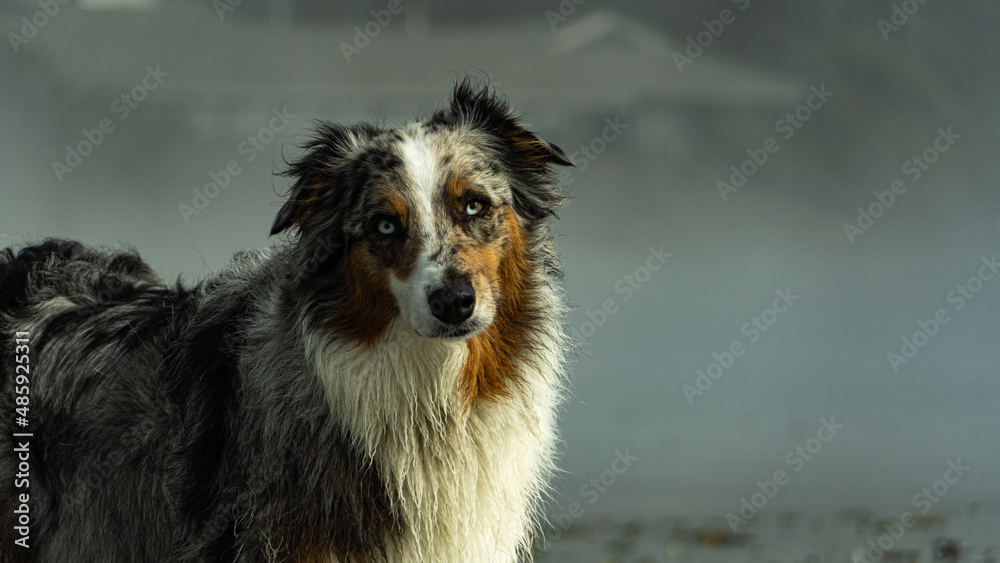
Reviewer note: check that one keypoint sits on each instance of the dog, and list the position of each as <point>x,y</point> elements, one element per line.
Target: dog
<point>380,385</point>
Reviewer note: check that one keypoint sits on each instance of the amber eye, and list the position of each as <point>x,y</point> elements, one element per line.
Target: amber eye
<point>475,207</point>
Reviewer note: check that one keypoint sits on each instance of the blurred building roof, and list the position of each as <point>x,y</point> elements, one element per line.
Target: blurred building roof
<point>307,62</point>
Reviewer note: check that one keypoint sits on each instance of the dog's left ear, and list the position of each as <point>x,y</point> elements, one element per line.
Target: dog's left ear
<point>480,106</point>
<point>524,153</point>
<point>526,148</point>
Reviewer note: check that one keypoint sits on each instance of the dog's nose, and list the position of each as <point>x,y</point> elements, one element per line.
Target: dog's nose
<point>454,303</point>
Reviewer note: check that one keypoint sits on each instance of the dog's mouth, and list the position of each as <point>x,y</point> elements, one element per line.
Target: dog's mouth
<point>454,332</point>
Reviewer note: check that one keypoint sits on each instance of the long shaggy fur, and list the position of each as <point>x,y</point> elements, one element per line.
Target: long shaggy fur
<point>301,404</point>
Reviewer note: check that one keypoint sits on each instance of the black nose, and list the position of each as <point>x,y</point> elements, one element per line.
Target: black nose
<point>452,304</point>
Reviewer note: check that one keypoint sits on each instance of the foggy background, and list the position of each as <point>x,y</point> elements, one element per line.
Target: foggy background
<point>212,85</point>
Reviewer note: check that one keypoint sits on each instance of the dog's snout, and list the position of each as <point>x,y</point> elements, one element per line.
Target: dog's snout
<point>453,303</point>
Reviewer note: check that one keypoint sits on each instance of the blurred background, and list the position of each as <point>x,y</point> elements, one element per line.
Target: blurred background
<point>781,243</point>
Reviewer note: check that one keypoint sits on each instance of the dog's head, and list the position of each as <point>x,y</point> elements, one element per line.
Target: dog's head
<point>435,222</point>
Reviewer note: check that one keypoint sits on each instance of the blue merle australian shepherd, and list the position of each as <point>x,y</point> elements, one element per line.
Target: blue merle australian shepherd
<point>382,386</point>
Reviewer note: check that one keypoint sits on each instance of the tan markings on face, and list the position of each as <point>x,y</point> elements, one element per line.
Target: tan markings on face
<point>397,203</point>
<point>481,263</point>
<point>478,260</point>
<point>455,189</point>
<point>399,256</point>
<point>368,305</point>
<point>489,367</point>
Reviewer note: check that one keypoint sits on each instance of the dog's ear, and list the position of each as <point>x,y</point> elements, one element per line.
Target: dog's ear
<point>524,153</point>
<point>479,106</point>
<point>320,172</point>
<point>288,213</point>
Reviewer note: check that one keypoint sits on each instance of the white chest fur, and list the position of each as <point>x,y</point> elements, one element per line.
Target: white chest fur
<point>467,481</point>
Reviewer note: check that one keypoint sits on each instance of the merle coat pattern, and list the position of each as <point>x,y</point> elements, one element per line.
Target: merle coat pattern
<point>252,417</point>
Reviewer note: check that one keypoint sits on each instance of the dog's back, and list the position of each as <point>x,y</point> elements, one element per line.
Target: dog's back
<point>94,325</point>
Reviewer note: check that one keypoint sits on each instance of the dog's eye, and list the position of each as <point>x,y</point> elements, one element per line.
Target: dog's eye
<point>386,227</point>
<point>475,207</point>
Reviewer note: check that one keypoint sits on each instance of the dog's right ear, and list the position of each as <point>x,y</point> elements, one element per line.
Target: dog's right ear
<point>319,172</point>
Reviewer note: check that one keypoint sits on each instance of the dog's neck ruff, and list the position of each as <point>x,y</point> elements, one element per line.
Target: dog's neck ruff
<point>466,480</point>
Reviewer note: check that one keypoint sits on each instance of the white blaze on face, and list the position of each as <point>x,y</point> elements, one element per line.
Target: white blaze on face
<point>411,294</point>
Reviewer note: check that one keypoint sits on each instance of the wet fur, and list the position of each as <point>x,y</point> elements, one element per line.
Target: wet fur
<point>284,409</point>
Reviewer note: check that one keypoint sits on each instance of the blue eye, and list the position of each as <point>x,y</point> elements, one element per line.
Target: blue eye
<point>386,227</point>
